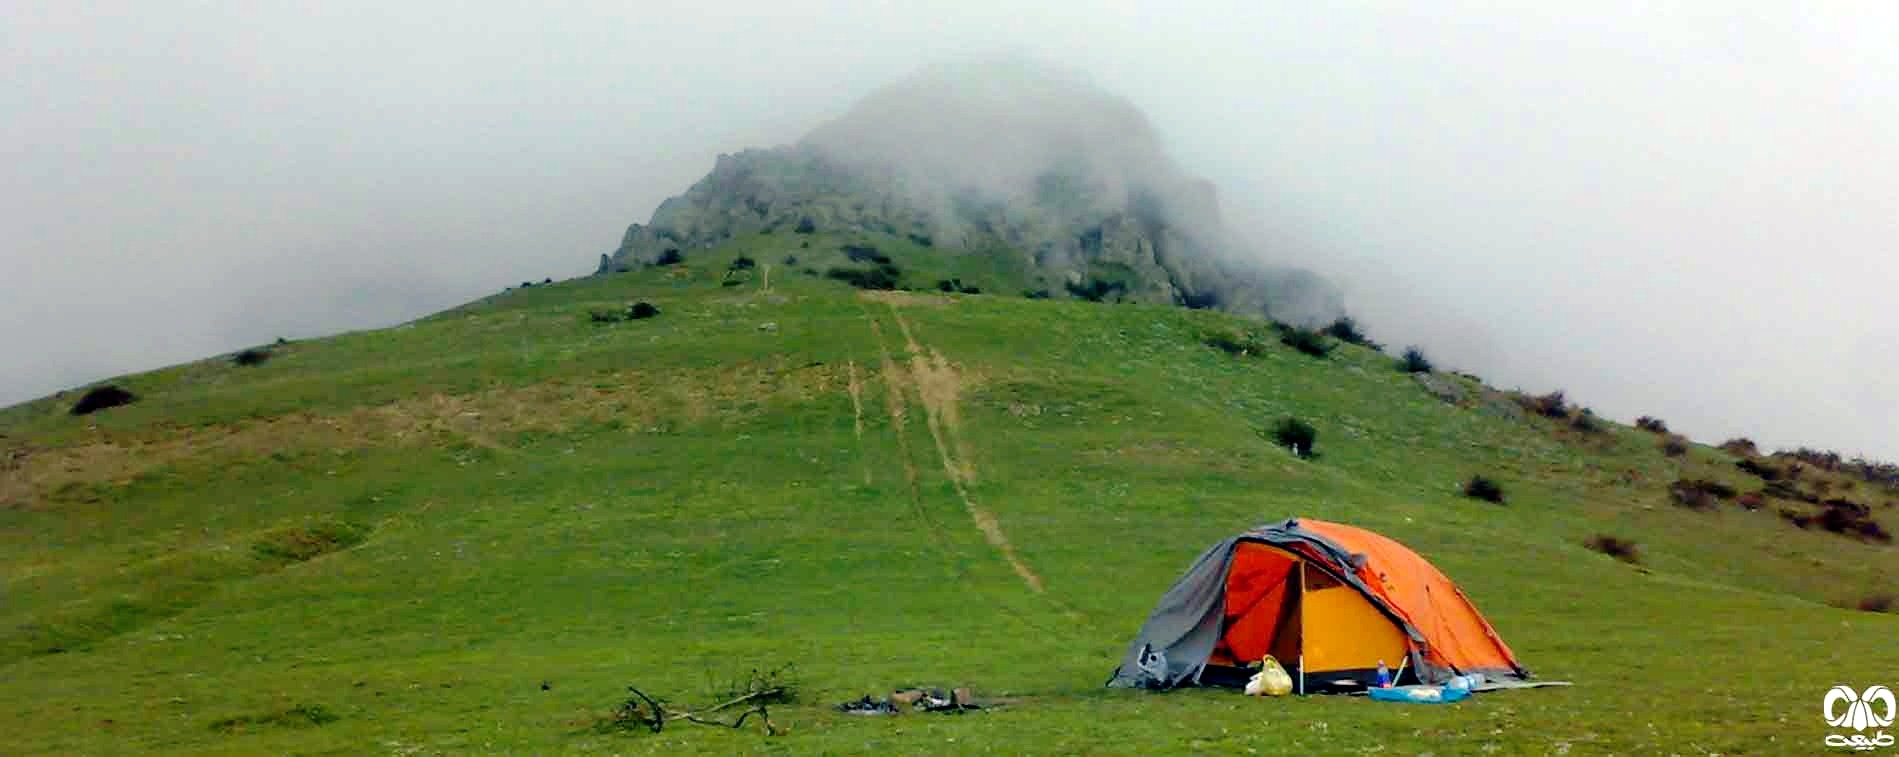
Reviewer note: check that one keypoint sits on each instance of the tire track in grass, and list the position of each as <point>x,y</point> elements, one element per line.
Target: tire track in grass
<point>856,387</point>
<point>941,389</point>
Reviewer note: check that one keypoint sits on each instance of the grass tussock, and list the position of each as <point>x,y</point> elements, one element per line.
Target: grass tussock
<point>1625,550</point>
<point>1481,487</point>
<point>294,716</point>
<point>308,542</point>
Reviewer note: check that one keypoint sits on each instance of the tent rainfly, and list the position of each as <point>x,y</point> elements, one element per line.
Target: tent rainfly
<point>1329,601</point>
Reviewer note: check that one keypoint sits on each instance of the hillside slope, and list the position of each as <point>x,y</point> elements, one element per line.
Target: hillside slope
<point>470,533</point>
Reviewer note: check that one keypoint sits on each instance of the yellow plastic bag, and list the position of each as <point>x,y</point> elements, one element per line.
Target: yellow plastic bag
<point>1271,680</point>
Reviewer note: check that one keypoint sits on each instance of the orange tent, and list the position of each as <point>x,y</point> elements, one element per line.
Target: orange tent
<point>1329,601</point>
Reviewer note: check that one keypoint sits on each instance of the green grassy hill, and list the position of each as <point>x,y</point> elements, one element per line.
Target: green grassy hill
<point>406,533</point>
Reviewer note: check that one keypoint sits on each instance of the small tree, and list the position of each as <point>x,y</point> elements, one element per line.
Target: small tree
<point>1308,341</point>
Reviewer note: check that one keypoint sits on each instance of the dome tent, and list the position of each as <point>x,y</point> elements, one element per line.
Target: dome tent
<point>1329,601</point>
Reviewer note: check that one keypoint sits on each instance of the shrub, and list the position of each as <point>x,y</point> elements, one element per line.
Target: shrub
<point>1345,329</point>
<point>1414,361</point>
<point>1674,445</point>
<point>805,226</point>
<point>922,240</point>
<point>1207,300</point>
<point>1844,518</point>
<point>670,257</point>
<point>1485,489</point>
<point>1096,290</point>
<point>791,260</point>
<point>641,310</point>
<point>548,280</point>
<point>1696,494</point>
<point>1035,294</point>
<point>1752,500</point>
<point>1740,446</point>
<point>1877,603</point>
<point>252,356</point>
<point>1552,405</point>
<point>742,263</point>
<point>1585,421</point>
<point>1297,434</point>
<point>1620,549</point>
<point>1825,460</point>
<point>954,286</point>
<point>866,278</point>
<point>102,397</point>
<point>1308,341</point>
<point>1233,343</point>
<point>863,253</point>
<point>1651,424</point>
<point>1761,470</point>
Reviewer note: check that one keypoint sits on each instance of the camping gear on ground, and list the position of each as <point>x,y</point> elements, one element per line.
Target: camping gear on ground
<point>1271,680</point>
<point>1336,598</point>
<point>1384,675</point>
<point>1419,694</point>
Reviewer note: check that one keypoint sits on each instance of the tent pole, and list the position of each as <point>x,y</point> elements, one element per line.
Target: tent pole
<point>1302,628</point>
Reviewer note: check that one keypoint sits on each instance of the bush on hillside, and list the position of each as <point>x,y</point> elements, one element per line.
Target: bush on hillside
<point>670,257</point>
<point>863,253</point>
<point>1740,446</point>
<point>921,240</point>
<point>1206,300</point>
<point>791,260</point>
<point>956,286</point>
<point>1232,342</point>
<point>1696,494</point>
<point>1877,603</point>
<point>102,397</point>
<point>1414,361</point>
<point>1618,548</point>
<point>1674,445</point>
<point>805,226</point>
<point>1763,471</point>
<point>1035,294</point>
<point>1752,500</point>
<point>881,277</point>
<point>641,310</point>
<point>1308,341</point>
<point>1585,421</point>
<point>1842,517</point>
<point>1295,434</point>
<point>1552,405</point>
<point>1651,424</point>
<point>252,356</point>
<point>1096,290</point>
<point>1345,329</point>
<point>742,263</point>
<point>1479,487</point>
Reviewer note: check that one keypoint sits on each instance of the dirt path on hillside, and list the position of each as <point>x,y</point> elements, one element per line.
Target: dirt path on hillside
<point>941,389</point>
<point>856,387</point>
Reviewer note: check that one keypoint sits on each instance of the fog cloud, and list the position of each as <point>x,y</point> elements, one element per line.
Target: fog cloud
<point>1686,211</point>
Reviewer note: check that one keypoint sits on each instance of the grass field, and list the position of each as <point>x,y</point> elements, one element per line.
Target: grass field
<point>471,533</point>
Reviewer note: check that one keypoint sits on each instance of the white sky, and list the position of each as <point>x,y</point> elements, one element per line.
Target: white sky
<point>1689,211</point>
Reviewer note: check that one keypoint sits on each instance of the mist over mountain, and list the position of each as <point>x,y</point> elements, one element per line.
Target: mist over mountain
<point>999,156</point>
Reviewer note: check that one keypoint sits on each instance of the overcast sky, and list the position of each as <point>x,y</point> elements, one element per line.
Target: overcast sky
<point>1690,212</point>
